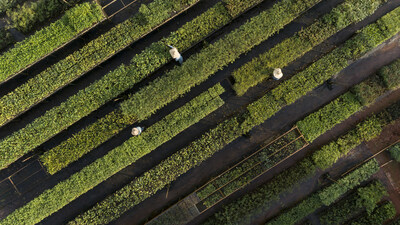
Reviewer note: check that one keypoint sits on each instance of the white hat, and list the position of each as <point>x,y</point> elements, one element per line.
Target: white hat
<point>136,131</point>
<point>278,74</point>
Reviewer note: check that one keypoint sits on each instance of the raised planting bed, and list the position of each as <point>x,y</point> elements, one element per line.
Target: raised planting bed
<point>115,160</point>
<point>323,158</point>
<point>365,198</point>
<point>250,168</point>
<point>384,212</point>
<point>261,68</point>
<point>26,17</point>
<point>327,195</point>
<point>234,178</point>
<point>93,54</point>
<point>344,106</point>
<point>75,21</point>
<point>227,131</point>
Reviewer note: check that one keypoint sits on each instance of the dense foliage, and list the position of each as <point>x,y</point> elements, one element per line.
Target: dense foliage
<point>236,7</point>
<point>379,216</point>
<point>103,90</point>
<point>282,54</point>
<point>5,38</point>
<point>347,104</point>
<point>104,128</point>
<point>364,198</point>
<point>326,196</point>
<point>28,15</point>
<point>44,41</point>
<point>64,192</point>
<point>227,131</point>
<point>100,49</point>
<point>395,152</point>
<point>8,4</point>
<point>238,176</point>
<point>391,74</point>
<point>217,55</point>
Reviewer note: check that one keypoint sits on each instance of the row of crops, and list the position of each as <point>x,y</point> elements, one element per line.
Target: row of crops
<point>333,113</point>
<point>144,101</point>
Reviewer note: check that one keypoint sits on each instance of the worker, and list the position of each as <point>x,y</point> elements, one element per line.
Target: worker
<point>175,54</point>
<point>277,75</point>
<point>136,131</point>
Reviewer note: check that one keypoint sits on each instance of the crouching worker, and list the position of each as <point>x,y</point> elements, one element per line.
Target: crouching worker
<point>136,131</point>
<point>175,54</point>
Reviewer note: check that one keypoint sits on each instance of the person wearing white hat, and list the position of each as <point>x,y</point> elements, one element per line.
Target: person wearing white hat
<point>175,54</point>
<point>277,75</point>
<point>136,131</point>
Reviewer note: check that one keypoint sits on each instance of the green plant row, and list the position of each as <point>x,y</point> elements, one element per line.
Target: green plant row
<point>98,50</point>
<point>8,4</point>
<point>383,213</point>
<point>217,55</point>
<point>329,65</point>
<point>242,209</point>
<point>364,198</point>
<point>236,7</point>
<point>207,22</point>
<point>395,152</point>
<point>44,41</point>
<point>5,38</point>
<point>79,183</point>
<point>179,163</point>
<point>349,103</point>
<point>114,83</point>
<point>327,196</point>
<point>105,128</point>
<point>74,148</point>
<point>91,98</point>
<point>27,16</point>
<point>80,144</point>
<point>260,68</point>
<point>265,159</point>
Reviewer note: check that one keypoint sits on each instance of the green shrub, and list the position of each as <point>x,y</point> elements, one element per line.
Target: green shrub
<point>379,216</point>
<point>354,178</point>
<point>240,211</point>
<point>369,90</point>
<point>329,154</point>
<point>49,38</point>
<point>327,117</point>
<point>25,17</point>
<point>364,198</point>
<point>327,195</point>
<point>236,7</point>
<point>5,38</point>
<point>395,152</point>
<point>8,4</point>
<point>391,74</point>
<point>369,196</point>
